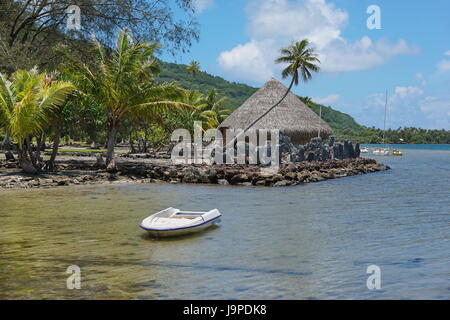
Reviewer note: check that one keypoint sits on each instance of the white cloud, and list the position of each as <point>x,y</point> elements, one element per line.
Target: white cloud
<point>248,61</point>
<point>275,23</point>
<point>436,110</point>
<point>407,106</point>
<point>444,66</point>
<point>363,54</point>
<point>447,53</point>
<point>332,98</point>
<point>314,19</point>
<point>407,92</point>
<point>202,5</point>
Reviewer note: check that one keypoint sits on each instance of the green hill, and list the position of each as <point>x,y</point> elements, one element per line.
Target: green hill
<point>237,93</point>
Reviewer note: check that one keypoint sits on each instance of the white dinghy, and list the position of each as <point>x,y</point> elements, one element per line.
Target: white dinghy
<point>174,222</point>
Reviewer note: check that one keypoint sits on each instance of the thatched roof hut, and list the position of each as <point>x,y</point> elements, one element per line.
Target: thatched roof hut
<point>292,117</point>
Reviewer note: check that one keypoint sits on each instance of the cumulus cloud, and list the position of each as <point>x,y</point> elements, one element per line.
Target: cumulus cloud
<point>332,98</point>
<point>248,60</point>
<point>363,54</point>
<point>436,110</point>
<point>407,106</point>
<point>444,66</point>
<point>202,5</point>
<point>406,92</point>
<point>274,23</point>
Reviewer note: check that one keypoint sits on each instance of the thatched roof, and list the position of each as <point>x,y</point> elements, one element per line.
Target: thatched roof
<point>292,117</point>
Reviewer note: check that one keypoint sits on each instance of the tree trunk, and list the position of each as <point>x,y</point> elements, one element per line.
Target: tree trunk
<point>6,144</point>
<point>112,132</point>
<point>51,163</point>
<point>25,162</point>
<point>31,154</point>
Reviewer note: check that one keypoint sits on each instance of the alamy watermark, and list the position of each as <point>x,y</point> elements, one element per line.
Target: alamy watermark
<point>374,280</point>
<point>74,280</point>
<point>374,20</point>
<point>73,17</point>
<point>235,147</point>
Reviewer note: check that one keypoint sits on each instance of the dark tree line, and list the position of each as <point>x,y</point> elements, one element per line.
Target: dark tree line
<point>30,29</point>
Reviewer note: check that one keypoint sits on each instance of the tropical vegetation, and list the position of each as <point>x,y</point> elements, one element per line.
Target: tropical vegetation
<point>29,100</point>
<point>63,85</point>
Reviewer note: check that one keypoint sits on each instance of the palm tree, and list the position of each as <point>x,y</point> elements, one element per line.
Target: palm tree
<point>307,100</point>
<point>27,102</point>
<point>123,83</point>
<point>213,112</point>
<point>193,67</point>
<point>302,62</point>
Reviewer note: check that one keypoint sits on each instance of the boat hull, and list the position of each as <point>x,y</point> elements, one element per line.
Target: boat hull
<point>181,231</point>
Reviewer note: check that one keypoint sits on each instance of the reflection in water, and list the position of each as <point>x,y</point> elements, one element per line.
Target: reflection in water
<point>309,241</point>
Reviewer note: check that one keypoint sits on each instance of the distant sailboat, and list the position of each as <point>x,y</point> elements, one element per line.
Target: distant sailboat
<point>383,151</point>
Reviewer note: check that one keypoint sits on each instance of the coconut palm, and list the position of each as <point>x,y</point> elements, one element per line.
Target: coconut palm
<point>27,101</point>
<point>213,112</point>
<point>193,67</point>
<point>123,82</point>
<point>302,61</point>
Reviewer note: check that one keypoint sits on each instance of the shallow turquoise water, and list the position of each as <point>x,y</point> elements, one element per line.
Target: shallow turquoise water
<point>312,241</point>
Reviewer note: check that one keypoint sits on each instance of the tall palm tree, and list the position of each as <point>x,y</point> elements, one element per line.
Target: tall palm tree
<point>302,62</point>
<point>193,67</point>
<point>27,101</point>
<point>123,82</point>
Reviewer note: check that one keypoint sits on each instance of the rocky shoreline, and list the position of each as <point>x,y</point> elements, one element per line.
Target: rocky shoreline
<point>81,172</point>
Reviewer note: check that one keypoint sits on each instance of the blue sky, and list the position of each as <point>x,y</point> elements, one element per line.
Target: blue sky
<point>409,56</point>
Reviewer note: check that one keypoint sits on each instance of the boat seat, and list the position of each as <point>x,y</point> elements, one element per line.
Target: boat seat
<point>183,217</point>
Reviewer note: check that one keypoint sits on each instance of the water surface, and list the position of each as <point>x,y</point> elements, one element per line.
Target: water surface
<point>311,241</point>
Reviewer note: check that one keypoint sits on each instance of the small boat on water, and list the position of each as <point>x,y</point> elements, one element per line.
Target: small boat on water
<point>381,152</point>
<point>174,222</point>
<point>396,152</point>
<point>364,150</point>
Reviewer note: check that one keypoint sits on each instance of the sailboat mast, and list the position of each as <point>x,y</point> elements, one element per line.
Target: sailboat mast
<point>320,116</point>
<point>385,110</point>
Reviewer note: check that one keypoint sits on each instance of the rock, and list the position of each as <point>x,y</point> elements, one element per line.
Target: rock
<point>239,178</point>
<point>331,141</point>
<point>290,176</point>
<point>351,150</point>
<point>338,151</point>
<point>302,176</point>
<point>260,183</point>
<point>286,145</point>
<point>100,162</point>
<point>325,155</point>
<point>346,152</point>
<point>111,167</point>
<point>63,183</point>
<point>310,156</point>
<point>209,176</point>
<point>299,155</point>
<point>357,151</point>
<point>223,182</point>
<point>9,156</point>
<point>281,183</point>
<point>192,175</point>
